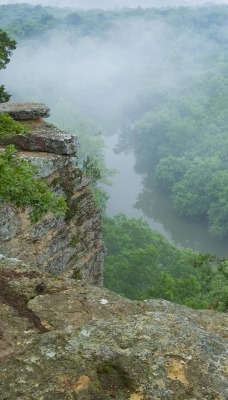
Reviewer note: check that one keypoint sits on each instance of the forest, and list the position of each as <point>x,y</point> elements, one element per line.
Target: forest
<point>159,77</point>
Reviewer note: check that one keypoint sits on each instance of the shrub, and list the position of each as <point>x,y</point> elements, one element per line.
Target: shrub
<point>19,185</point>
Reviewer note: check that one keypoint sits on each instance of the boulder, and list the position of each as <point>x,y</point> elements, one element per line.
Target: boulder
<point>64,340</point>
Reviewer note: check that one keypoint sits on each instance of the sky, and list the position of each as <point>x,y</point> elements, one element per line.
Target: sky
<point>113,3</point>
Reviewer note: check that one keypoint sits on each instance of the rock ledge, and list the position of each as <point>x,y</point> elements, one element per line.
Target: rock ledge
<point>25,111</point>
<point>44,136</point>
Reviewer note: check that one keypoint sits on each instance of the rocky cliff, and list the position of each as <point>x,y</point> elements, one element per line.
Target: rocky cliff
<point>72,243</point>
<point>62,338</point>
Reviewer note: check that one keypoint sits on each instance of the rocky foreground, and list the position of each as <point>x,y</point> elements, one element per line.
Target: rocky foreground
<point>61,339</point>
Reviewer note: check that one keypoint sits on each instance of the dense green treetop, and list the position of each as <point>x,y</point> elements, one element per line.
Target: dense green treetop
<point>6,47</point>
<point>141,264</point>
<point>24,20</point>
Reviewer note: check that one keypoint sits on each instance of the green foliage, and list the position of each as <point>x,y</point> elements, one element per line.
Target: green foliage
<point>171,170</point>
<point>190,194</point>
<point>141,264</point>
<point>100,197</point>
<point>91,169</point>
<point>25,20</point>
<point>218,210</point>
<point>214,272</point>
<point>18,185</point>
<point>4,96</point>
<point>183,143</point>
<point>6,47</point>
<point>9,127</point>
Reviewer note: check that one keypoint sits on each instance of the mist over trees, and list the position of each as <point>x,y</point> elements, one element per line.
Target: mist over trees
<point>108,4</point>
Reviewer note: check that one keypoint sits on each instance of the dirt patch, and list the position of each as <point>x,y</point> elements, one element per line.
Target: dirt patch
<point>19,303</point>
<point>12,273</point>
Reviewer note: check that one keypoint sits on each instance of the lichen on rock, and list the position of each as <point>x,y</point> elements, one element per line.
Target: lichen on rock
<point>118,349</point>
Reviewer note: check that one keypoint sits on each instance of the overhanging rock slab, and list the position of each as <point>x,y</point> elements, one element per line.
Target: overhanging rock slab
<point>44,137</point>
<point>25,111</point>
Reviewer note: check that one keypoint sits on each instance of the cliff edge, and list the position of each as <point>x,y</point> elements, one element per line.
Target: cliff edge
<point>69,244</point>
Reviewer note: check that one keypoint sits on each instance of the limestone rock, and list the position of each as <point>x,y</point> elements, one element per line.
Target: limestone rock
<point>45,137</point>
<point>58,245</point>
<point>69,244</point>
<point>61,340</point>
<point>25,111</point>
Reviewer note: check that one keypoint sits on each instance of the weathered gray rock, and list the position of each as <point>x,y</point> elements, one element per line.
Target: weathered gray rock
<point>58,245</point>
<point>25,111</point>
<point>45,137</point>
<point>71,243</point>
<point>47,163</point>
<point>61,340</point>
<point>9,223</point>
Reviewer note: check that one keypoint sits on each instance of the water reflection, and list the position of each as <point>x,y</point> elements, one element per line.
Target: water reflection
<point>129,195</point>
<point>182,231</point>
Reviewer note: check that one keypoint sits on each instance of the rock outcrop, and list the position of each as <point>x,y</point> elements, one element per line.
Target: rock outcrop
<point>63,340</point>
<point>72,243</point>
<point>25,111</point>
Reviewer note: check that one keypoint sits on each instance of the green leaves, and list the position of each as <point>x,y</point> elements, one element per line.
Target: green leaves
<point>9,127</point>
<point>141,264</point>
<point>214,274</point>
<point>18,185</point>
<point>4,96</point>
<point>91,169</point>
<point>6,47</point>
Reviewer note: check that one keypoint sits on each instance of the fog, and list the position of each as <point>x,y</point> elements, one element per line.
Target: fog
<point>102,74</point>
<point>106,4</point>
<point>100,77</point>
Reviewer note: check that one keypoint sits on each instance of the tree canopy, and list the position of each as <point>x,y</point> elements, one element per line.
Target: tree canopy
<point>7,46</point>
<point>141,264</point>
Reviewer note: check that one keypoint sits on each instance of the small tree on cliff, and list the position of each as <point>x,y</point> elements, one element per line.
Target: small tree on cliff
<point>6,48</point>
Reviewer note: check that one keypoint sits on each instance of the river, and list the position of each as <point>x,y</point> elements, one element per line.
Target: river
<point>128,196</point>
